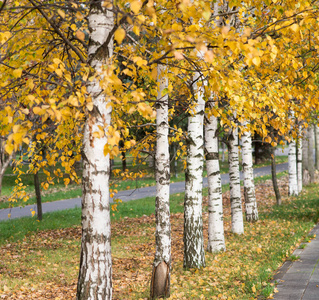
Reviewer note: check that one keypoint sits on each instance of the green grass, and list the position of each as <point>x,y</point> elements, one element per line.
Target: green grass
<point>293,257</point>
<point>17,229</point>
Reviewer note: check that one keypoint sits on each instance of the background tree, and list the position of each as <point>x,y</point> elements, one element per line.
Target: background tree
<point>216,238</point>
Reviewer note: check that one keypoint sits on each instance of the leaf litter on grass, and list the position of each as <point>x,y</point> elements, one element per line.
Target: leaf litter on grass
<point>45,264</point>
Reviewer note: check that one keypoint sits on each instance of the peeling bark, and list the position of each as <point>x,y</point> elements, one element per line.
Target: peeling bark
<point>292,169</point>
<point>234,183</point>
<point>249,184</point>
<point>299,163</point>
<point>216,238</point>
<point>305,162</point>
<point>95,274</point>
<point>311,163</point>
<point>194,256</point>
<point>160,282</point>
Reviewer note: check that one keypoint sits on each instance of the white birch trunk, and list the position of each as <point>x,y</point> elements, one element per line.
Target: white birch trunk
<point>95,274</point>
<point>305,162</point>
<point>160,283</point>
<point>249,184</point>
<point>292,169</point>
<point>299,164</point>
<point>194,256</point>
<point>234,183</point>
<point>311,163</point>
<point>216,238</point>
<point>317,145</point>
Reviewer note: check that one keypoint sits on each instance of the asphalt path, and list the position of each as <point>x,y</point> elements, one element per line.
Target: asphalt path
<point>128,195</point>
<point>299,280</point>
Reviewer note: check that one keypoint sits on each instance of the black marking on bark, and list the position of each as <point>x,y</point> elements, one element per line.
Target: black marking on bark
<point>212,156</point>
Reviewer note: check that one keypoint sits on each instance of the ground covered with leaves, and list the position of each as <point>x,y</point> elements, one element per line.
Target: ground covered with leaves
<point>44,265</point>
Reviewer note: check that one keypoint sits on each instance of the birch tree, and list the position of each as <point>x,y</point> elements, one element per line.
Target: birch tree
<point>299,162</point>
<point>316,129</point>
<point>194,256</point>
<point>234,183</point>
<point>216,238</point>
<point>311,163</point>
<point>274,177</point>
<point>95,274</point>
<point>305,161</point>
<point>160,282</point>
<point>249,184</point>
<point>292,169</point>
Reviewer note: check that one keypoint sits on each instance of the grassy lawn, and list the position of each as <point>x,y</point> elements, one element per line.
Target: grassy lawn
<point>40,260</point>
<point>59,191</point>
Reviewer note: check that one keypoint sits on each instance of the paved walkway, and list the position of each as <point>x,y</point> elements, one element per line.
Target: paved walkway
<point>300,279</point>
<point>177,187</point>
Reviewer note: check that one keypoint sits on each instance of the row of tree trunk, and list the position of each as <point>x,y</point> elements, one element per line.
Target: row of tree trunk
<point>301,159</point>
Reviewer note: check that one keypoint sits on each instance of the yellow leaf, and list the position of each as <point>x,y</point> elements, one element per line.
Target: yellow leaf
<point>31,98</point>
<point>15,128</point>
<point>295,27</point>
<point>89,106</point>
<point>268,139</point>
<point>30,84</point>
<point>73,27</point>
<point>154,73</point>
<point>206,15</point>
<point>136,30</point>
<point>25,111</point>
<point>4,36</point>
<point>26,141</point>
<point>209,56</point>
<point>253,289</point>
<point>256,61</point>
<point>80,35</point>
<point>59,72</point>
<point>119,35</point>
<point>17,73</point>
<point>61,13</point>
<point>79,16</point>
<point>136,6</point>
<point>17,137</point>
<point>9,148</point>
<point>38,111</point>
<point>178,55</point>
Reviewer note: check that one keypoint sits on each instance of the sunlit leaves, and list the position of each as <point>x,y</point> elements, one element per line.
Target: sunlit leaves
<point>136,6</point>
<point>119,35</point>
<point>17,73</point>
